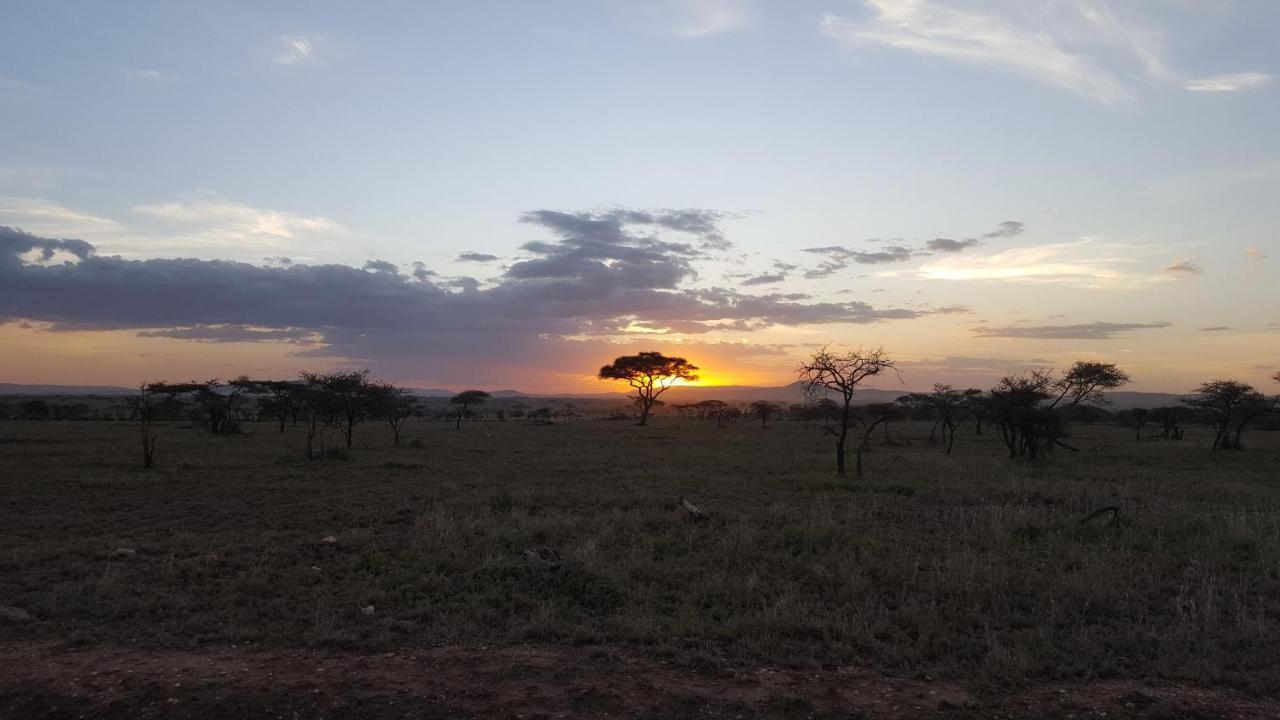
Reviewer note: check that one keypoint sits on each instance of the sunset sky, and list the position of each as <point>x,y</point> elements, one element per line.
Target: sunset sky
<point>510,194</point>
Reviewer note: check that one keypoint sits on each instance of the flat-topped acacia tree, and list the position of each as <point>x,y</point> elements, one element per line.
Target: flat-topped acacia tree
<point>651,374</point>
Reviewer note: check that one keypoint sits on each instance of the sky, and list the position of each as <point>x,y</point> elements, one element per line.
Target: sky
<point>511,194</point>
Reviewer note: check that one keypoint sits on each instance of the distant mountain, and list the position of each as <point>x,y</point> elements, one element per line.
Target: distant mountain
<point>16,389</point>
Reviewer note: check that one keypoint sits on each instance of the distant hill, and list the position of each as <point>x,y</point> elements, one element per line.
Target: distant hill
<point>679,395</point>
<point>17,389</point>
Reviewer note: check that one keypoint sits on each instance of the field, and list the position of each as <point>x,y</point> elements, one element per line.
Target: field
<point>966,585</point>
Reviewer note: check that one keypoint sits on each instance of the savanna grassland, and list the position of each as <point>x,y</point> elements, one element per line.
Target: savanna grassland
<point>968,581</point>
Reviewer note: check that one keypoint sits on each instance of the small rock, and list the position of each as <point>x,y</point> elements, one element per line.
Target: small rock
<point>8,613</point>
<point>330,540</point>
<point>543,558</point>
<point>367,610</point>
<point>123,553</point>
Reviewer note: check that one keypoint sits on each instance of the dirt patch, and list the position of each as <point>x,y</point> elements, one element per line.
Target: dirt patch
<point>60,681</point>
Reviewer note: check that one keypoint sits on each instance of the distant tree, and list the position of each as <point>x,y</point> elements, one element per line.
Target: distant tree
<point>1229,406</point>
<point>1032,409</point>
<point>342,399</point>
<point>217,407</point>
<point>764,410</point>
<point>35,409</point>
<point>829,372</point>
<point>1170,421</point>
<point>946,405</point>
<point>394,404</point>
<point>977,408</point>
<point>466,399</point>
<point>871,416</point>
<point>650,374</point>
<point>1138,416</point>
<point>282,398</point>
<point>143,407</point>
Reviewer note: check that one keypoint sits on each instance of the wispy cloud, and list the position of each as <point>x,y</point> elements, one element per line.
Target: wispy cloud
<point>1087,48</point>
<point>52,219</point>
<point>1230,82</point>
<point>1083,263</point>
<point>1097,330</point>
<point>476,257</point>
<point>296,50</point>
<point>1183,268</point>
<point>208,224</point>
<point>703,18</point>
<point>1006,229</point>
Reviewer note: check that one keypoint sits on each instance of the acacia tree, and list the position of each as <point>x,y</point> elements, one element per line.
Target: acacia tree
<point>829,372</point>
<point>650,374</point>
<point>947,405</point>
<point>466,399</point>
<point>1032,409</point>
<point>282,398</point>
<point>395,405</point>
<point>1229,406</point>
<point>764,410</point>
<point>143,406</point>
<point>1139,418</point>
<point>342,399</point>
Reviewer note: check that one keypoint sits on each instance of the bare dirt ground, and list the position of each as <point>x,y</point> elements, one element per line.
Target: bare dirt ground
<point>535,681</point>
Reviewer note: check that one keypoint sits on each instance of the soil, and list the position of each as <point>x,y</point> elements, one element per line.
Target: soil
<point>53,680</point>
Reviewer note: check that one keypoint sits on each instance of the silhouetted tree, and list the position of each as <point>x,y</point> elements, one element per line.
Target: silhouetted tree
<point>764,410</point>
<point>1138,416</point>
<point>466,399</point>
<point>395,405</point>
<point>143,407</point>
<point>1170,421</point>
<point>1032,409</point>
<point>650,374</point>
<point>947,406</point>
<point>826,371</point>
<point>343,399</point>
<point>35,409</point>
<point>282,399</point>
<point>1229,405</point>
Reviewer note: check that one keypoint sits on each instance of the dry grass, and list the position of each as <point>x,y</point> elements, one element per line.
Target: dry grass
<point>966,566</point>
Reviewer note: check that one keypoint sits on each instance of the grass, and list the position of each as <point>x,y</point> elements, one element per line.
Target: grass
<point>970,566</point>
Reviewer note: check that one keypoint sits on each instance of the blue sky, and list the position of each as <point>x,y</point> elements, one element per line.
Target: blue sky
<point>1133,144</point>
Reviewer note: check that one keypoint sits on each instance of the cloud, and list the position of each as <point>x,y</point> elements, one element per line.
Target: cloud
<point>704,18</point>
<point>764,279</point>
<point>49,218</point>
<point>837,258</point>
<point>1087,48</point>
<point>941,244</point>
<point>296,50</point>
<point>1084,331</point>
<point>1230,82</point>
<point>1006,229</point>
<point>1082,263</point>
<point>476,257</point>
<point>595,278</point>
<point>210,225</point>
<point>234,334</point>
<point>1183,268</point>
<point>1216,328</point>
